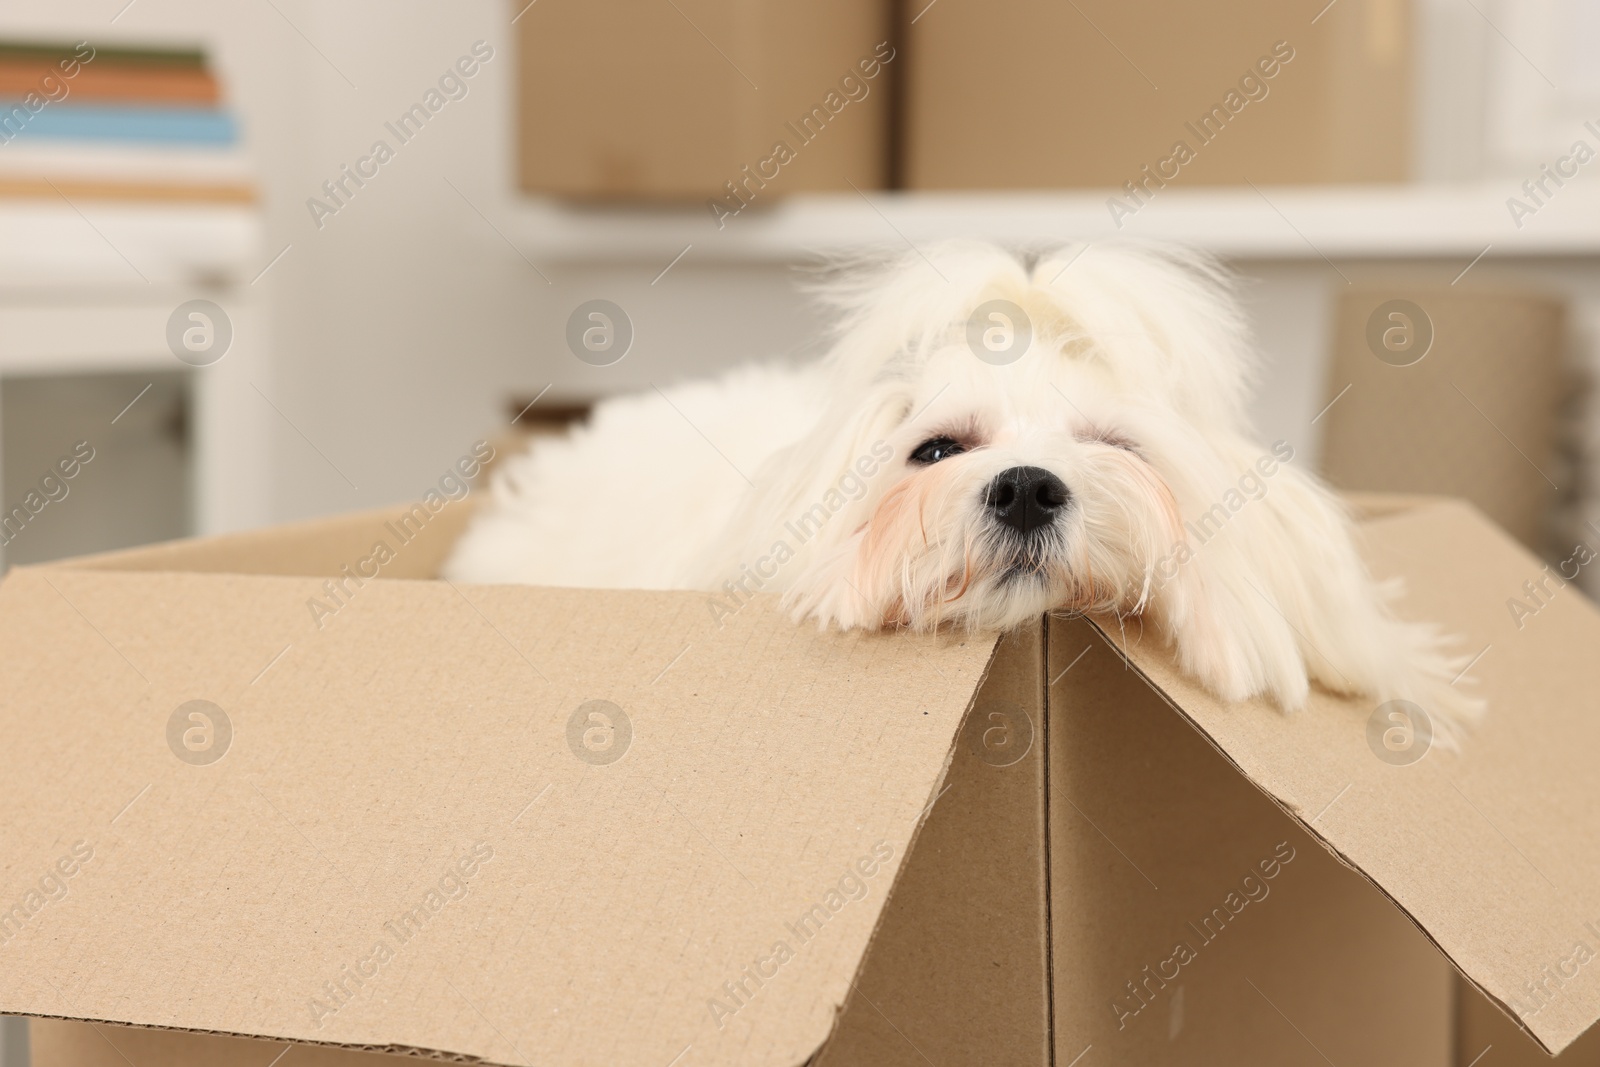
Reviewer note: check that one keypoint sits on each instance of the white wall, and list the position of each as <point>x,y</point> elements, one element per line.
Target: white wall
<point>400,328</point>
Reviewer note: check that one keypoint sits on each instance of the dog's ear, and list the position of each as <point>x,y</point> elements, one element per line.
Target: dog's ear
<point>1274,590</point>
<point>1269,588</point>
<point>1216,603</point>
<point>842,464</point>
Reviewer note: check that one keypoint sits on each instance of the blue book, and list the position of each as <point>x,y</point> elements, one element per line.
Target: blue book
<point>111,122</point>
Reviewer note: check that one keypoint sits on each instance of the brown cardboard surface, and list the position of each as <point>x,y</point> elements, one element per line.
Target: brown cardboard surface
<point>1467,418</point>
<point>1156,842</point>
<point>62,1043</point>
<point>1034,94</point>
<point>1495,852</point>
<point>958,970</point>
<point>670,101</point>
<point>372,760</point>
<point>1366,506</point>
<point>1485,1036</point>
<point>417,540</point>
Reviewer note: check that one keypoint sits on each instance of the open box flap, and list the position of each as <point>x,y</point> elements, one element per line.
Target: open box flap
<point>418,541</point>
<point>370,756</point>
<point>413,840</point>
<point>1494,852</point>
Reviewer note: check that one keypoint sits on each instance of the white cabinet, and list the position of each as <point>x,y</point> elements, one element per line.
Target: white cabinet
<point>89,288</point>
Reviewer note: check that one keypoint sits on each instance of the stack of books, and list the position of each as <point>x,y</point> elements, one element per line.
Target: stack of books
<point>146,123</point>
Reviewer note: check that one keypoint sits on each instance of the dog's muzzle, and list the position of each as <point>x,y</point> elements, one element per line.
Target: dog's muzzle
<point>1026,498</point>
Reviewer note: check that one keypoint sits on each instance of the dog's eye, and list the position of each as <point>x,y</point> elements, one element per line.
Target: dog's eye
<point>936,448</point>
<point>1110,437</point>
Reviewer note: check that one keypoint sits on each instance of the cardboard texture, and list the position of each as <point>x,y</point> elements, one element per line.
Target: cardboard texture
<point>421,729</point>
<point>1032,94</point>
<point>1484,1035</point>
<point>1005,884</point>
<point>959,968</point>
<point>1157,838</point>
<point>1451,392</point>
<point>1470,847</point>
<point>672,102</point>
<point>59,1043</point>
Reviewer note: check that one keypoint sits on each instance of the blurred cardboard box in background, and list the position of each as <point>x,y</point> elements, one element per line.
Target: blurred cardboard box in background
<point>675,101</point>
<point>1449,390</point>
<point>1021,94</point>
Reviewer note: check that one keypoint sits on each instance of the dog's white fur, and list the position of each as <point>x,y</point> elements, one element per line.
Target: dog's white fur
<point>1132,393</point>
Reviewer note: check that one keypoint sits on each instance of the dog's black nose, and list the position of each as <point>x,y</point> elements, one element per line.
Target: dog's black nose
<point>1026,498</point>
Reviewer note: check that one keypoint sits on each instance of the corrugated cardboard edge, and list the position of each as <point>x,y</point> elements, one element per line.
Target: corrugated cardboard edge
<point>388,1050</point>
<point>1105,635</point>
<point>911,845</point>
<point>1369,507</point>
<point>179,556</point>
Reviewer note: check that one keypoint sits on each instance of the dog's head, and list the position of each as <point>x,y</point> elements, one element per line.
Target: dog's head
<point>1004,498</point>
<point>1025,434</point>
<point>1005,437</point>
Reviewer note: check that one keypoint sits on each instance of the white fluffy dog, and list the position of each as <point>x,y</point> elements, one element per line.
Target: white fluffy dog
<point>988,439</point>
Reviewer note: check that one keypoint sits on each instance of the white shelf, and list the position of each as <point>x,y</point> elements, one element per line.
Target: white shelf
<point>1273,223</point>
<point>93,292</point>
<point>49,244</point>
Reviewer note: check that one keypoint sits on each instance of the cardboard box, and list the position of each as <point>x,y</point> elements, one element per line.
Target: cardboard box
<point>1455,391</point>
<point>774,845</point>
<point>1034,94</point>
<point>1482,1031</point>
<point>690,100</point>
